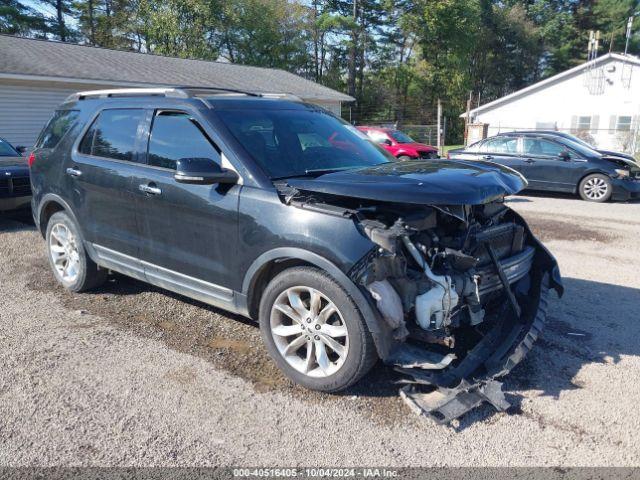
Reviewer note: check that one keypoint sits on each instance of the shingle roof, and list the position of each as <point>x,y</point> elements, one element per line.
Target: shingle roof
<point>25,56</point>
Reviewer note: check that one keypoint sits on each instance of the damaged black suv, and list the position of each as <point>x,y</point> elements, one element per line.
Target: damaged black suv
<point>277,210</point>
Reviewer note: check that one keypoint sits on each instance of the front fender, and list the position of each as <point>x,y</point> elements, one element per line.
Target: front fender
<point>381,332</point>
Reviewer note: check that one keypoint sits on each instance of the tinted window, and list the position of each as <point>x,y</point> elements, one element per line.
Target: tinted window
<point>57,127</point>
<point>378,137</point>
<point>500,145</point>
<point>113,134</point>
<point>7,150</point>
<point>175,135</point>
<point>401,137</point>
<point>539,146</point>
<point>288,143</point>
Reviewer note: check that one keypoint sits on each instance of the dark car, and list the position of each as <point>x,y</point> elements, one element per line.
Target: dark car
<point>15,188</point>
<point>607,153</point>
<point>558,164</point>
<point>343,256</point>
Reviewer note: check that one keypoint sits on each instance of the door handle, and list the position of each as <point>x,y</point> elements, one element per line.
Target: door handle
<point>74,172</point>
<point>487,157</point>
<point>530,160</point>
<point>150,189</point>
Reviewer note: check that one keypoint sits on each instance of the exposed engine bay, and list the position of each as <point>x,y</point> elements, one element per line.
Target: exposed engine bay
<point>462,290</point>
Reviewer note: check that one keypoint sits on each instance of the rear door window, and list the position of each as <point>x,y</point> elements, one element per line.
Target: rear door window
<point>502,145</point>
<point>177,135</point>
<point>57,128</point>
<point>113,135</point>
<point>540,147</point>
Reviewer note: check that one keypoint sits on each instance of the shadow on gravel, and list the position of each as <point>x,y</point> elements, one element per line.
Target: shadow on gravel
<point>16,221</point>
<point>594,323</point>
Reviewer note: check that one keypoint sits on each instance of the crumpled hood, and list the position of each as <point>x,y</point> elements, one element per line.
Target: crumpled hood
<point>617,155</point>
<point>621,161</point>
<point>434,182</point>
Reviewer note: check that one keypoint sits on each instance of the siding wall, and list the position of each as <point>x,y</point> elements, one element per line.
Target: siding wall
<point>26,106</point>
<point>558,106</point>
<point>25,109</point>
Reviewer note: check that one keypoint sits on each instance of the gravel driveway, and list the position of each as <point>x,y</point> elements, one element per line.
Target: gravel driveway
<point>132,375</point>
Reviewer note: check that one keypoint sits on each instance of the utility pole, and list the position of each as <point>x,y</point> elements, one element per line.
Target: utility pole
<point>439,137</point>
<point>467,120</point>
<point>353,53</point>
<point>629,25</point>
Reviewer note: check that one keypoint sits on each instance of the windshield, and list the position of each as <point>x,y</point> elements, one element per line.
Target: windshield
<point>7,150</point>
<point>582,148</point>
<point>289,143</point>
<point>401,137</point>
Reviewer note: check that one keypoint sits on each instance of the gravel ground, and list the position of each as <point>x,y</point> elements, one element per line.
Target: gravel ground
<point>132,375</point>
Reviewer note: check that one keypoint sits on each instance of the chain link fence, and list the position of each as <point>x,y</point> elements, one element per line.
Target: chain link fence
<point>420,133</point>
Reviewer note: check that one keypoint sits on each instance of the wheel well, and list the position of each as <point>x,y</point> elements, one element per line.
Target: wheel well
<point>47,211</point>
<point>265,275</point>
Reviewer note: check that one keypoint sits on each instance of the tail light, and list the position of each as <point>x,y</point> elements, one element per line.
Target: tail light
<point>31,159</point>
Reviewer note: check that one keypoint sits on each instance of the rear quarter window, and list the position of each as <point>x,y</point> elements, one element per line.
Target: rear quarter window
<point>57,128</point>
<point>113,134</point>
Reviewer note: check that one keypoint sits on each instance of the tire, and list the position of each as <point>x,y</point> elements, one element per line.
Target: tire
<point>595,188</point>
<point>433,156</point>
<point>78,272</point>
<point>404,158</point>
<point>303,364</point>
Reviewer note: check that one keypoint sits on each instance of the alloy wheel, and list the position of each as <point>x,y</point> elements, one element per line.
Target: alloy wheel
<point>63,249</point>
<point>595,188</point>
<point>309,331</point>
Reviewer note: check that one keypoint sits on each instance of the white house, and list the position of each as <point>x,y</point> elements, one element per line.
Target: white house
<point>37,75</point>
<point>598,101</point>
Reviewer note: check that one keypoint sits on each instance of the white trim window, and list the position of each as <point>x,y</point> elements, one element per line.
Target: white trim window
<point>584,123</point>
<point>623,123</point>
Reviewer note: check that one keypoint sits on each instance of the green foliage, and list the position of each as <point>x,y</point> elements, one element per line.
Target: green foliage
<point>16,18</point>
<point>397,57</point>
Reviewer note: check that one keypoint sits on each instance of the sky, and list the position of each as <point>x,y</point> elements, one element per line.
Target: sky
<point>48,10</point>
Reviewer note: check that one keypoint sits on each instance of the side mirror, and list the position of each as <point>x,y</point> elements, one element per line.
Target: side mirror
<point>564,155</point>
<point>387,142</point>
<point>21,149</point>
<point>203,171</point>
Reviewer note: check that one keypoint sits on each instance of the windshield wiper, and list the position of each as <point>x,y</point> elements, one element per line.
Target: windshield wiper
<point>315,172</point>
<point>321,171</point>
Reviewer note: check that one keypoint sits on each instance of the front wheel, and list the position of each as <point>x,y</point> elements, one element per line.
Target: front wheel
<point>404,158</point>
<point>314,331</point>
<point>595,188</point>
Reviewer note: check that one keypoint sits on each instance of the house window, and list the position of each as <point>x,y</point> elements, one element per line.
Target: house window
<point>623,124</point>
<point>584,123</point>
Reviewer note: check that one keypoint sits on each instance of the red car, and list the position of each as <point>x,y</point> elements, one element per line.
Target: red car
<point>399,144</point>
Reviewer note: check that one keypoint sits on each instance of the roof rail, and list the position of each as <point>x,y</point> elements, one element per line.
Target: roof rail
<point>176,92</point>
<point>127,92</point>
<point>193,91</point>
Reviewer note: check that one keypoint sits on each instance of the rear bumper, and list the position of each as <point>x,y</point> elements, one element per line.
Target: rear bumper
<point>15,203</point>
<point>624,190</point>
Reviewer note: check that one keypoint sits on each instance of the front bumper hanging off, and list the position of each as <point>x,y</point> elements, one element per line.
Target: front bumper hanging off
<point>446,394</point>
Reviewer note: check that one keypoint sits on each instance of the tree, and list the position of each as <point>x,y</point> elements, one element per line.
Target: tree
<point>16,18</point>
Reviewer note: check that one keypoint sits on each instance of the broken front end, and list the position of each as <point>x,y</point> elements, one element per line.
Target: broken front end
<point>464,291</point>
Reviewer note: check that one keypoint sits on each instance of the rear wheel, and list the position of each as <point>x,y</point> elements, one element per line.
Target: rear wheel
<point>595,188</point>
<point>314,331</point>
<point>69,261</point>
